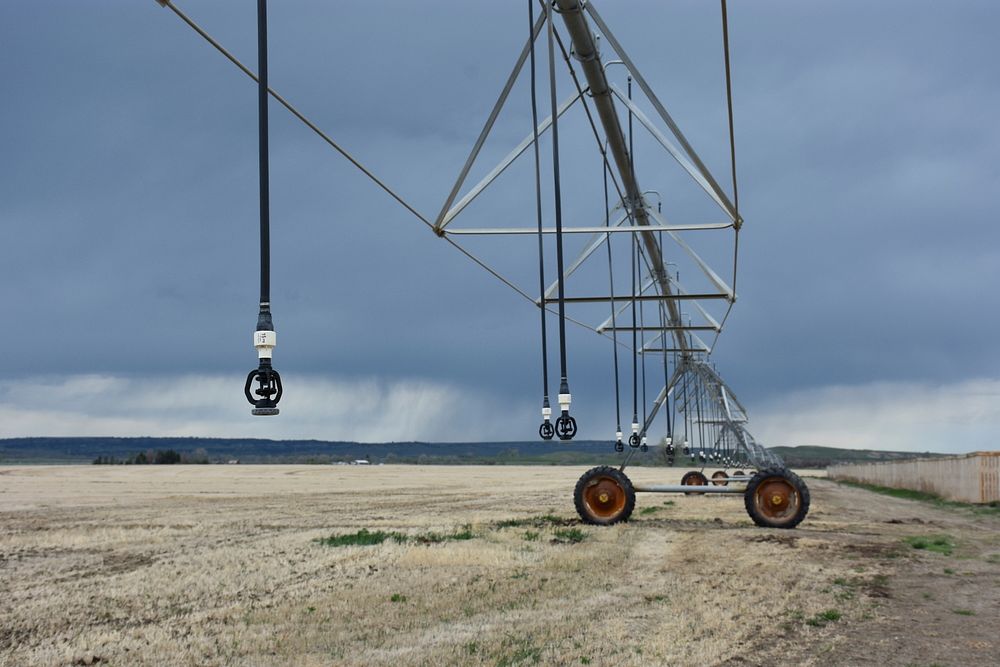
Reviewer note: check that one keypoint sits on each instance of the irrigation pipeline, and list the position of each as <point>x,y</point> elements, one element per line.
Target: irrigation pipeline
<point>697,396</point>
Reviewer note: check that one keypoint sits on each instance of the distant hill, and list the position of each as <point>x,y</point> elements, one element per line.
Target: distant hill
<point>250,450</point>
<point>806,456</point>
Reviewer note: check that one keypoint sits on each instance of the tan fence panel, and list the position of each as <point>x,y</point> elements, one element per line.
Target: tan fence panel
<point>969,478</point>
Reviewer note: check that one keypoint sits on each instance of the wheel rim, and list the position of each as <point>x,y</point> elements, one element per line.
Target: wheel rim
<point>720,478</point>
<point>777,499</point>
<point>694,480</point>
<point>605,498</point>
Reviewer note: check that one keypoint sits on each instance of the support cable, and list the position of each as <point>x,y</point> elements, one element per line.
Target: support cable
<point>565,425</point>
<point>738,222</point>
<point>295,112</point>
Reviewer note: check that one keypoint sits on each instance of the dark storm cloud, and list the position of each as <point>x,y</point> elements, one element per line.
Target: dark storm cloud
<point>867,150</point>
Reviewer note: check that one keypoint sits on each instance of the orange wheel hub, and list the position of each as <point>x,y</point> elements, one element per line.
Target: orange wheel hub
<point>777,499</point>
<point>605,497</point>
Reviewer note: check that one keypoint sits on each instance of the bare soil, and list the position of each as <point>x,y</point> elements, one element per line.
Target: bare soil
<point>220,565</point>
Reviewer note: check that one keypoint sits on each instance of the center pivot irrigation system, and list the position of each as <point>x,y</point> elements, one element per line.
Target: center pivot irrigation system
<point>655,321</point>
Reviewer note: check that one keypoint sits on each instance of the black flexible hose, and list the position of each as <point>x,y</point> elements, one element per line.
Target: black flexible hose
<point>268,392</point>
<point>611,281</point>
<point>635,351</point>
<point>538,207</point>
<point>265,205</point>
<point>563,381</point>
<point>666,370</point>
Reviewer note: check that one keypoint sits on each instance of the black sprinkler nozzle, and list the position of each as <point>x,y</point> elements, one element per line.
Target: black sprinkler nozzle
<point>265,397</point>
<point>565,426</point>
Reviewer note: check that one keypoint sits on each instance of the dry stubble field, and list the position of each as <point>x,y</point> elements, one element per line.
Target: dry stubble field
<point>220,565</point>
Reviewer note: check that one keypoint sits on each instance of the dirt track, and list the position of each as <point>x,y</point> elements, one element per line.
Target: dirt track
<point>218,565</point>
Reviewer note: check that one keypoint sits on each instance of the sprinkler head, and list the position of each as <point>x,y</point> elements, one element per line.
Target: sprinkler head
<point>565,426</point>
<point>265,397</point>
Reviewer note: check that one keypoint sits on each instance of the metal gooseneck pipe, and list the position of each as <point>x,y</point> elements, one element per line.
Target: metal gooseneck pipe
<point>590,60</point>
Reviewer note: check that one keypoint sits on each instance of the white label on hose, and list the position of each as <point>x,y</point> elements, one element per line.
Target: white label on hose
<point>264,339</point>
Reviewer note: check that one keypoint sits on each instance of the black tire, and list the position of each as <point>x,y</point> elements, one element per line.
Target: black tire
<point>788,503</point>
<point>694,478</point>
<point>720,478</point>
<point>604,496</point>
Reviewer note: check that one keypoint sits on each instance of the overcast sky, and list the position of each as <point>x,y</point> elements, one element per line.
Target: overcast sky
<point>868,157</point>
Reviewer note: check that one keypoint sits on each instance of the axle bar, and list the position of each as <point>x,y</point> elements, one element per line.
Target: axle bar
<point>681,488</point>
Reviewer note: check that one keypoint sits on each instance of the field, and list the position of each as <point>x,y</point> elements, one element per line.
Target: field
<point>224,565</point>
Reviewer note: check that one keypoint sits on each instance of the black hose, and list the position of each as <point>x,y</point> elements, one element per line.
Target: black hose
<point>614,325</point>
<point>563,381</point>
<point>538,207</point>
<point>265,206</point>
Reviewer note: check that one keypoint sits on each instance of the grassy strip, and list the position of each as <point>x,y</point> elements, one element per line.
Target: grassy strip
<point>824,617</point>
<point>365,537</point>
<point>569,536</point>
<point>534,522</point>
<point>941,544</point>
<point>922,496</point>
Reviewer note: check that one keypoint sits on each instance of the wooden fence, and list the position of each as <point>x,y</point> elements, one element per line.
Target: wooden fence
<point>969,478</point>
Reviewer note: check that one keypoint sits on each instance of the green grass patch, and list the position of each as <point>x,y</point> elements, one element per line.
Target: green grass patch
<point>519,651</point>
<point>531,536</point>
<point>650,510</point>
<point>533,521</point>
<point>993,558</point>
<point>668,503</point>
<point>930,498</point>
<point>942,544</point>
<point>365,537</point>
<point>963,612</point>
<point>569,535</point>
<point>824,617</point>
<point>397,597</point>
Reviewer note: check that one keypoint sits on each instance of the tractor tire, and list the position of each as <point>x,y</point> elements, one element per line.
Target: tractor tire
<point>604,496</point>
<point>694,478</point>
<point>776,498</point>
